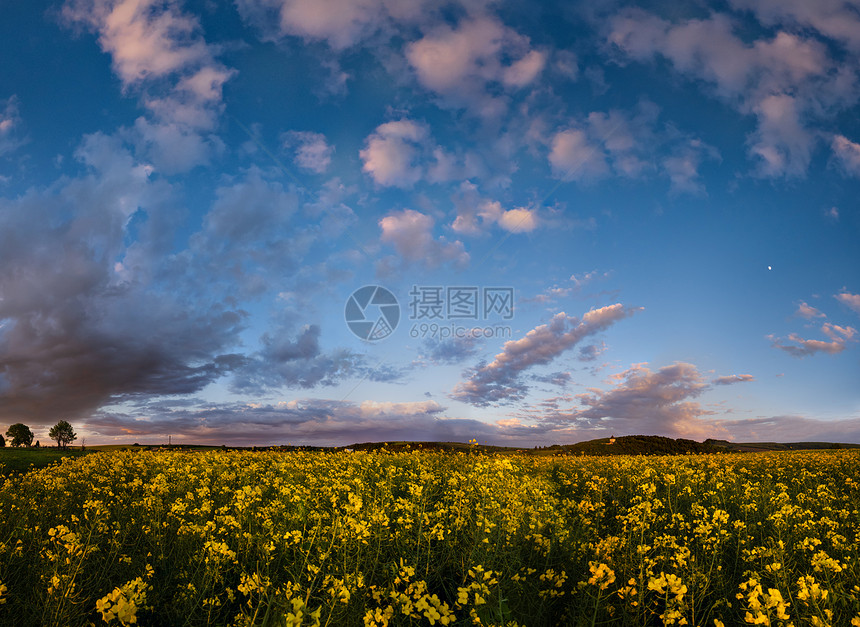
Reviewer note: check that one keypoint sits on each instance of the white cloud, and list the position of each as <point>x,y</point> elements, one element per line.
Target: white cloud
<point>411,234</point>
<point>850,300</point>
<point>519,220</point>
<point>340,23</point>
<point>173,148</point>
<point>629,145</point>
<point>567,64</point>
<point>159,51</point>
<point>146,39</point>
<point>392,153</point>
<point>782,144</point>
<point>808,311</point>
<point>524,71</point>
<point>556,292</point>
<point>460,63</point>
<point>311,150</point>
<point>835,19</point>
<point>839,337</point>
<point>682,165</point>
<point>848,154</point>
<point>474,220</point>
<point>787,81</point>
<point>573,156</point>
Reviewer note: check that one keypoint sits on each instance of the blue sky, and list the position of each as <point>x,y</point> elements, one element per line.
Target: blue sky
<point>190,192</point>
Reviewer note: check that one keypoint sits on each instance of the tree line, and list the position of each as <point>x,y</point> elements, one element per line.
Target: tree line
<point>19,434</point>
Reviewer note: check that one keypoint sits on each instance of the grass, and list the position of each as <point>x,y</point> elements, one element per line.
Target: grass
<point>18,460</point>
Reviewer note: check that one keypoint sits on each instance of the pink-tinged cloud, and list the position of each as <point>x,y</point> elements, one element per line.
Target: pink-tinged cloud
<point>556,292</point>
<point>411,234</point>
<point>340,23</point>
<point>835,19</point>
<point>682,165</point>
<point>574,157</point>
<point>461,63</point>
<point>523,72</point>
<point>473,220</point>
<point>159,52</point>
<point>303,421</point>
<point>850,300</point>
<point>642,401</point>
<point>625,143</point>
<point>781,143</point>
<point>808,311</point>
<point>801,347</point>
<point>785,81</point>
<point>847,153</point>
<point>392,153</point>
<point>733,378</point>
<point>147,39</point>
<point>499,382</point>
<point>311,150</point>
<point>10,121</point>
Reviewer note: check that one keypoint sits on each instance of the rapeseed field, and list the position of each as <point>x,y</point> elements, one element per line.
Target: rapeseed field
<point>424,538</point>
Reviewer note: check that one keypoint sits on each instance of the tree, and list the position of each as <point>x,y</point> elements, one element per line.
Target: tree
<point>20,435</point>
<point>2,442</point>
<point>62,433</point>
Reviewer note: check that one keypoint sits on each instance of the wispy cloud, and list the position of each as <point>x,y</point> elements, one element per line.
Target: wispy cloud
<point>784,81</point>
<point>391,155</point>
<point>560,292</point>
<point>852,301</point>
<point>10,124</point>
<point>410,232</point>
<point>499,381</point>
<point>801,347</point>
<point>847,154</point>
<point>624,144</point>
<point>808,311</point>
<point>460,63</point>
<point>310,150</point>
<point>733,378</point>
<point>159,52</point>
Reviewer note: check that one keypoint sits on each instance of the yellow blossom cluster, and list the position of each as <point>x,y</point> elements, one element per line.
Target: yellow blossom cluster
<point>429,538</point>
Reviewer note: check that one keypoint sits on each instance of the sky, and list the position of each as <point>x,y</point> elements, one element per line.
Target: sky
<point>336,221</point>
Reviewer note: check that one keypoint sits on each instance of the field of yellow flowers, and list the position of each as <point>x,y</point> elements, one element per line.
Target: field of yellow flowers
<point>424,538</point>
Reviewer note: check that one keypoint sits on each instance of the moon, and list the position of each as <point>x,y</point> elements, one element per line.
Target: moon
<point>769,268</point>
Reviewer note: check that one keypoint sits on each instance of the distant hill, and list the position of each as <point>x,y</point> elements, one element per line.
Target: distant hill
<point>638,445</point>
<point>622,445</point>
<point>752,447</point>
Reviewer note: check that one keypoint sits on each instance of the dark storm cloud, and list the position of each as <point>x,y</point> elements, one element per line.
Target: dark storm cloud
<point>96,306</point>
<point>79,327</point>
